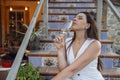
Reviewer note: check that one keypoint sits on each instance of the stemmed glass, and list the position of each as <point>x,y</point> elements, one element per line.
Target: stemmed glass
<point>67,27</point>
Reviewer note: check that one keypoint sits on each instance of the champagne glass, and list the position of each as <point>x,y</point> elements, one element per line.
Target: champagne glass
<point>67,27</point>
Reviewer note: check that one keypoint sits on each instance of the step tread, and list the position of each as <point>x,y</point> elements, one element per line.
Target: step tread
<point>104,30</point>
<point>72,7</point>
<point>49,71</point>
<point>54,54</point>
<point>106,41</point>
<point>56,30</point>
<point>102,41</point>
<point>61,13</point>
<point>42,53</point>
<point>59,2</point>
<point>111,73</point>
<point>52,71</point>
<point>59,21</point>
<point>109,55</point>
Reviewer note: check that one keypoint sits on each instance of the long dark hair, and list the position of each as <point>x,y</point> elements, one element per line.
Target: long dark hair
<point>92,32</point>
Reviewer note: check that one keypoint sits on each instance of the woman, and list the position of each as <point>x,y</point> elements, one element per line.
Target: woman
<point>78,56</point>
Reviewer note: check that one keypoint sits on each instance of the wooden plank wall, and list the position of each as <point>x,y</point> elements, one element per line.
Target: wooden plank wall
<point>0,29</point>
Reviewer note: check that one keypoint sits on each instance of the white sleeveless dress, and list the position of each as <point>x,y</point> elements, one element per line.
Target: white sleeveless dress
<point>90,72</point>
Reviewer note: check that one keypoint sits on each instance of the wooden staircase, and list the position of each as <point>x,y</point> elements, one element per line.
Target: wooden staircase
<point>51,71</point>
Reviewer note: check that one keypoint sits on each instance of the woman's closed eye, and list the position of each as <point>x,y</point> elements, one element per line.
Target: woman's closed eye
<point>80,18</point>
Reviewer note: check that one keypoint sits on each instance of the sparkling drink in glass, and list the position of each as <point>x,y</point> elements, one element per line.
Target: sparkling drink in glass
<point>67,27</point>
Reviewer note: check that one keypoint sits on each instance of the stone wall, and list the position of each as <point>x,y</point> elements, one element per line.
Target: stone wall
<point>114,29</point>
<point>114,34</point>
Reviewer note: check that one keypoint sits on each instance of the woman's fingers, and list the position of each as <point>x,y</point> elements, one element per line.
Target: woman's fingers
<point>59,39</point>
<point>59,42</point>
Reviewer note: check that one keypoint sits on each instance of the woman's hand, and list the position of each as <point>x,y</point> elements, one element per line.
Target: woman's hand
<point>59,42</point>
<point>61,49</point>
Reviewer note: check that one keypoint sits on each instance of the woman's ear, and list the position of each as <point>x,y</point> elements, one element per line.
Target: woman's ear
<point>88,26</point>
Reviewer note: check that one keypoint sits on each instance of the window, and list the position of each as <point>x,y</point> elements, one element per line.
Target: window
<point>16,21</point>
<point>16,18</point>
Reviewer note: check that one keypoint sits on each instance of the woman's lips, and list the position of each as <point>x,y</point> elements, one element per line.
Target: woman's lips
<point>73,23</point>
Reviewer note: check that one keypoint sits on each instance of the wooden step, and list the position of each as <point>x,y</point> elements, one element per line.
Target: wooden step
<point>102,41</point>
<point>46,40</point>
<point>72,7</point>
<point>42,54</point>
<point>106,41</point>
<point>109,73</point>
<point>109,55</point>
<point>74,2</point>
<point>59,21</point>
<point>54,54</point>
<point>49,71</point>
<point>104,30</point>
<point>62,13</point>
<point>56,30</point>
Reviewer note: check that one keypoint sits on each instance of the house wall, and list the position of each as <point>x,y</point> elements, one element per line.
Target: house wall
<point>0,29</point>
<point>30,4</point>
<point>6,4</point>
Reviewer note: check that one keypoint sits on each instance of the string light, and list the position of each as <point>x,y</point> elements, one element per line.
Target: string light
<point>11,9</point>
<point>26,8</point>
<point>38,2</point>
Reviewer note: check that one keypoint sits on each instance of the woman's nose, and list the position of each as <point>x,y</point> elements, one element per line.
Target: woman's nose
<point>74,19</point>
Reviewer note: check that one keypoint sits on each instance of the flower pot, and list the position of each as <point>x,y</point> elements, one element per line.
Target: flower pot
<point>6,64</point>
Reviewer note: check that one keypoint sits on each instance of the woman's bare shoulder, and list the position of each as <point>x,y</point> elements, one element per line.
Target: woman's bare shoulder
<point>96,44</point>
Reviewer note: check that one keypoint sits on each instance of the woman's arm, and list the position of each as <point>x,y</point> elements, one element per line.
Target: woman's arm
<point>61,49</point>
<point>92,52</point>
<point>62,63</point>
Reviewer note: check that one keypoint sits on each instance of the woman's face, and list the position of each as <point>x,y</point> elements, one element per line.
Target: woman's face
<point>80,22</point>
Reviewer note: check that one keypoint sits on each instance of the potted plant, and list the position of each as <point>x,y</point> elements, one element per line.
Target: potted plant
<point>38,32</point>
<point>6,61</point>
<point>29,72</point>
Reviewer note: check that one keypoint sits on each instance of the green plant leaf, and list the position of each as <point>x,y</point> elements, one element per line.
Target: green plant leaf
<point>29,72</point>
